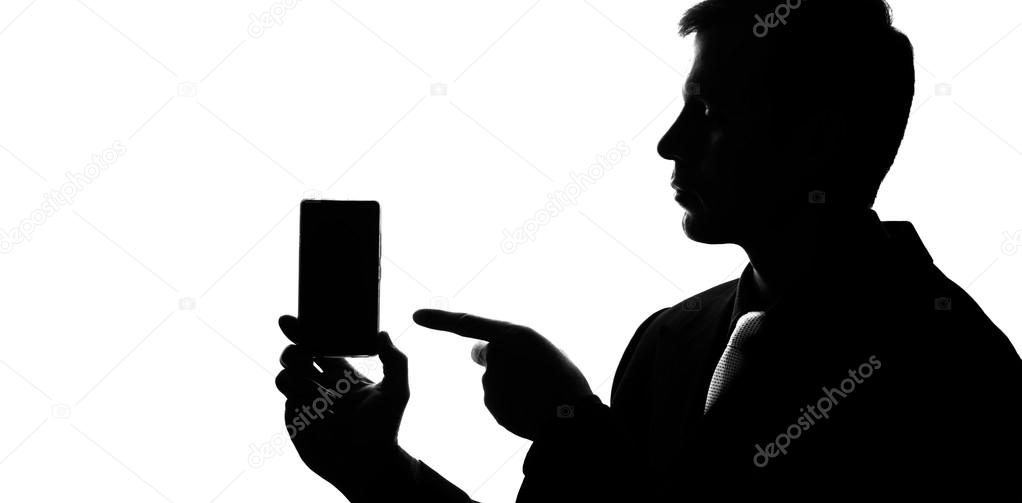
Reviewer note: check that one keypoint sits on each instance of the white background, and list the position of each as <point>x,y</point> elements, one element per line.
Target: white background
<point>140,339</point>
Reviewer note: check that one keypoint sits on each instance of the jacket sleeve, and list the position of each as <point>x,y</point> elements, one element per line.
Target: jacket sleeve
<point>431,486</point>
<point>585,453</point>
<point>396,476</point>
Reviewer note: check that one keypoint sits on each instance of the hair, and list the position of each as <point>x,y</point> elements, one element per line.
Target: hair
<point>842,55</point>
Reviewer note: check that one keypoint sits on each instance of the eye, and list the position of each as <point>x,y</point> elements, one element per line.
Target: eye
<point>711,114</point>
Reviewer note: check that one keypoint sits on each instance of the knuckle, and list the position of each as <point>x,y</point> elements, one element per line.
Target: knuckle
<point>295,356</point>
<point>284,355</point>
<point>283,381</point>
<point>400,358</point>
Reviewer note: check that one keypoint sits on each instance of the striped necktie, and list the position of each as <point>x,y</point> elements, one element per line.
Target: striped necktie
<point>731,361</point>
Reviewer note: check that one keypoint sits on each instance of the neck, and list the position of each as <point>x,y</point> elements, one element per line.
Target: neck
<point>785,253</point>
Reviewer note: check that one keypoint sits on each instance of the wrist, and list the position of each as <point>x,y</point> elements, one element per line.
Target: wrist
<point>369,470</point>
<point>565,437</point>
<point>571,418</point>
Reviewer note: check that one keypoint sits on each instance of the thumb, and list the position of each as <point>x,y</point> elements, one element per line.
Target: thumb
<point>395,365</point>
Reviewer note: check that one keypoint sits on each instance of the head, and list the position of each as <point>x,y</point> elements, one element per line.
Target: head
<point>790,109</point>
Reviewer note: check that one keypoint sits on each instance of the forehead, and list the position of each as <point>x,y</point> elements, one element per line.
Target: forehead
<point>725,67</point>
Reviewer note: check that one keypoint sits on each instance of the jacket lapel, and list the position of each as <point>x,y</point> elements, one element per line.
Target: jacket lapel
<point>684,362</point>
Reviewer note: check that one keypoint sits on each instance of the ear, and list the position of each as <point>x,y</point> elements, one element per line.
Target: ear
<point>820,138</point>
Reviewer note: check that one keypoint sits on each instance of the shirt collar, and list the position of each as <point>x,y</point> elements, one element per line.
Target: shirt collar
<point>747,297</point>
<point>870,238</point>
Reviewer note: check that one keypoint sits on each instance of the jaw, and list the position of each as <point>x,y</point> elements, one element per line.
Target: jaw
<point>703,227</point>
<point>744,227</point>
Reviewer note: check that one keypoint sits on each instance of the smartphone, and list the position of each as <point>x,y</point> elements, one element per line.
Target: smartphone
<point>339,276</point>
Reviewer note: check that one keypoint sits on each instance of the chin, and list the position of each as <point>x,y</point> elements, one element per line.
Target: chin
<point>702,229</point>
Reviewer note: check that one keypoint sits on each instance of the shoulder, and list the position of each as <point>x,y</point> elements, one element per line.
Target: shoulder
<point>697,310</point>
<point>960,324</point>
<point>937,325</point>
<point>704,307</point>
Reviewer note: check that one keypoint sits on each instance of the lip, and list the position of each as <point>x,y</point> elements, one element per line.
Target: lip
<point>686,199</point>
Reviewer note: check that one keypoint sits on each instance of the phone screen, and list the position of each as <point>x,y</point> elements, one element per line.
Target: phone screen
<point>339,276</point>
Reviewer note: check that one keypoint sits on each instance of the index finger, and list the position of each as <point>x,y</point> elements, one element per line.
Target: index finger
<point>463,324</point>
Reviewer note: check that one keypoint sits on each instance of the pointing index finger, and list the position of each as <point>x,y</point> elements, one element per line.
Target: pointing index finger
<point>463,324</point>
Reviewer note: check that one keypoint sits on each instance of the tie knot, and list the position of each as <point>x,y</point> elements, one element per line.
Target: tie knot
<point>747,326</point>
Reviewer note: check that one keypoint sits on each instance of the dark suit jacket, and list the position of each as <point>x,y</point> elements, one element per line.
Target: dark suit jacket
<point>931,406</point>
<point>874,377</point>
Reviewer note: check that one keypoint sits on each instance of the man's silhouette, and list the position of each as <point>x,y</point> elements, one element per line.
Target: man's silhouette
<point>841,364</point>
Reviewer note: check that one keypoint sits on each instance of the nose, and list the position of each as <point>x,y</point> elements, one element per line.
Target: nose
<point>686,138</point>
<point>668,145</point>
